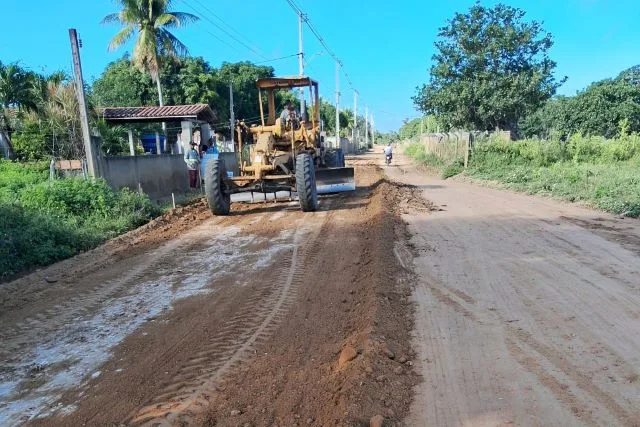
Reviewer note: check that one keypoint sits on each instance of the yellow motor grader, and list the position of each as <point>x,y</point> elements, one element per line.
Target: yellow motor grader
<point>285,153</point>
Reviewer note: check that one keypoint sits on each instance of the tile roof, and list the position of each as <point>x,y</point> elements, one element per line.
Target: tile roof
<point>200,112</point>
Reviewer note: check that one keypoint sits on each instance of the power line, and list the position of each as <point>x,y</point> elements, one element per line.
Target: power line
<point>224,30</point>
<point>316,33</point>
<point>205,7</point>
<point>276,59</point>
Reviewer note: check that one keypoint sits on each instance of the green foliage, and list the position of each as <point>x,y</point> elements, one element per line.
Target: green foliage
<point>29,144</point>
<point>387,137</point>
<point>418,153</point>
<point>328,117</point>
<point>412,128</point>
<point>188,81</point>
<point>123,85</point>
<point>42,221</point>
<point>17,87</point>
<point>52,127</point>
<point>452,169</point>
<point>151,21</point>
<point>491,68</point>
<point>114,139</point>
<point>598,110</point>
<point>595,170</point>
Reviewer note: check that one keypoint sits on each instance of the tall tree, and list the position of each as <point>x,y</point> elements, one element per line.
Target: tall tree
<point>151,20</point>
<point>491,68</point>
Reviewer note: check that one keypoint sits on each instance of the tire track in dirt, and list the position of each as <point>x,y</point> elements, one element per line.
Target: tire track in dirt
<point>32,346</point>
<point>530,353</point>
<point>189,392</point>
<point>21,333</point>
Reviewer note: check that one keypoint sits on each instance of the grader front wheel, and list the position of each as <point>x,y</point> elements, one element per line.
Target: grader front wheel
<point>306,183</point>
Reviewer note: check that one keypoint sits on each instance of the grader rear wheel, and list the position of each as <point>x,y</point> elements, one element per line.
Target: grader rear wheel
<point>306,183</point>
<point>219,200</point>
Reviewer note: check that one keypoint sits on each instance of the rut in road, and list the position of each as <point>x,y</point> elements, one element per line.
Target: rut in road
<point>189,392</point>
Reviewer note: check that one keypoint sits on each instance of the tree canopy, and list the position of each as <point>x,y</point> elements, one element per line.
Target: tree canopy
<point>600,109</point>
<point>491,68</point>
<point>189,81</point>
<point>152,21</point>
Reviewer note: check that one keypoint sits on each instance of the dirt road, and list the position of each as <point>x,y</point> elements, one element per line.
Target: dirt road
<point>428,302</point>
<point>268,316</point>
<point>528,310</point>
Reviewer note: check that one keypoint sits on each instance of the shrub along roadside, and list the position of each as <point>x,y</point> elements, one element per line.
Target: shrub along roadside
<point>600,172</point>
<point>604,173</point>
<point>418,153</point>
<point>42,222</point>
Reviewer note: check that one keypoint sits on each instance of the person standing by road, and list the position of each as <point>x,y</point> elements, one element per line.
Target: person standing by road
<point>192,159</point>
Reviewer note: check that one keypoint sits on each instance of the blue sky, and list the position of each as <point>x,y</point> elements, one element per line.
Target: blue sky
<point>386,46</point>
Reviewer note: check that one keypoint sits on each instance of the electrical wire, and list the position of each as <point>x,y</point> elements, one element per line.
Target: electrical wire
<point>277,59</point>
<point>316,33</point>
<point>236,39</point>
<point>205,7</point>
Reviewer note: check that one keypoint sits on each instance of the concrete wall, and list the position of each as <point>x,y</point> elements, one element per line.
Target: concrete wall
<point>158,175</point>
<point>345,143</point>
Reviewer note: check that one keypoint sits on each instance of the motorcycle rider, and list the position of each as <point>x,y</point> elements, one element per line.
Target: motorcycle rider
<point>388,152</point>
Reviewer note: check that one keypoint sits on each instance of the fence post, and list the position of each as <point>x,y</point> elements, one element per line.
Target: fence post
<point>132,148</point>
<point>467,150</point>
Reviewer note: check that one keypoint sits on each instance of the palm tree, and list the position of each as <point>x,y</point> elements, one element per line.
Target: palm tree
<point>151,19</point>
<point>16,92</point>
<point>16,87</point>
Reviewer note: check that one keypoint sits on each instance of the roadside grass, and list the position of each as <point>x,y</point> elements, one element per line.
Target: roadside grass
<point>418,153</point>
<point>44,221</point>
<point>600,172</point>
<point>603,173</point>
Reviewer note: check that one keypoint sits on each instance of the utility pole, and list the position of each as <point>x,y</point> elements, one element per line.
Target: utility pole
<point>373,130</point>
<point>232,118</point>
<point>421,125</point>
<point>84,121</point>
<point>366,126</point>
<point>301,65</point>
<point>338,104</point>
<point>355,118</point>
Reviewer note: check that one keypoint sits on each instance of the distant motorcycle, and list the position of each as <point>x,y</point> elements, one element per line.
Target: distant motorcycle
<point>388,159</point>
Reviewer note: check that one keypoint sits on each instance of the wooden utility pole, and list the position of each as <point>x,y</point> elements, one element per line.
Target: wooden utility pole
<point>84,120</point>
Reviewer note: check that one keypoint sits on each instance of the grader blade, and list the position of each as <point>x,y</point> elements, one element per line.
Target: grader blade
<point>335,180</point>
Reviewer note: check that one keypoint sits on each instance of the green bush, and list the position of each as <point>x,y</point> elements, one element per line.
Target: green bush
<point>602,172</point>
<point>43,221</point>
<point>453,169</point>
<point>418,152</point>
<point>29,143</point>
